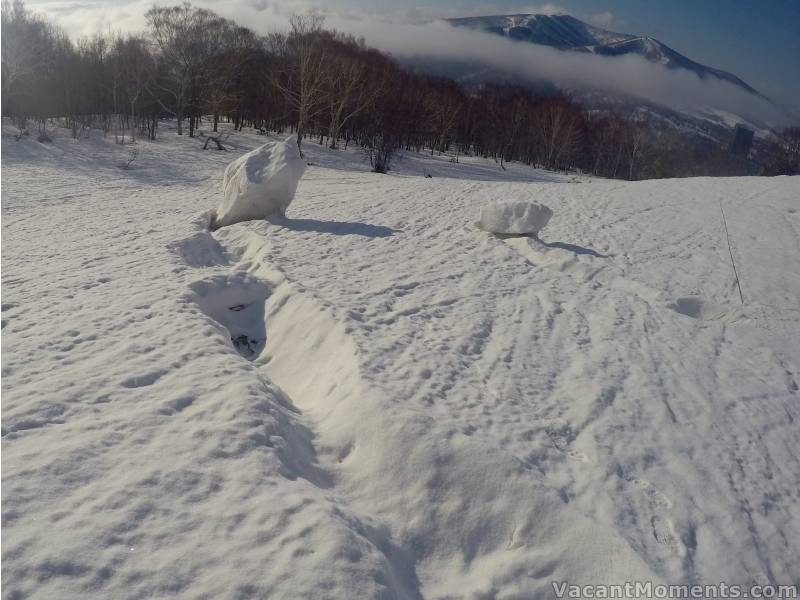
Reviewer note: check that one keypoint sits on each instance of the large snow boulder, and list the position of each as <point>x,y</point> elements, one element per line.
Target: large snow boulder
<point>259,184</point>
<point>514,216</point>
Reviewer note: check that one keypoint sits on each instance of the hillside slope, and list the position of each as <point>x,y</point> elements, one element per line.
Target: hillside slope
<point>374,399</point>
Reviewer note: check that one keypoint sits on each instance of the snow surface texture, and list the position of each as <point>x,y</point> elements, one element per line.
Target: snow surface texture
<point>511,216</point>
<point>259,184</point>
<point>417,409</point>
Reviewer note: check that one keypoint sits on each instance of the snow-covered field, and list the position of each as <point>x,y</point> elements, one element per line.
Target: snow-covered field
<point>373,398</point>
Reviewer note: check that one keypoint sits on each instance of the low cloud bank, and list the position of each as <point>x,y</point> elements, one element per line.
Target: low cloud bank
<point>629,74</point>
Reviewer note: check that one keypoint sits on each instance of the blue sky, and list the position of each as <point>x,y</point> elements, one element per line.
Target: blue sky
<point>757,40</point>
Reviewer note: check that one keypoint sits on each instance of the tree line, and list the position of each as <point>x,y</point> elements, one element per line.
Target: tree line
<point>193,66</point>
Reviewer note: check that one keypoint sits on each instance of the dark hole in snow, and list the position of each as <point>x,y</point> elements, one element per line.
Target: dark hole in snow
<point>697,308</point>
<point>246,346</point>
<point>691,307</point>
<point>238,304</point>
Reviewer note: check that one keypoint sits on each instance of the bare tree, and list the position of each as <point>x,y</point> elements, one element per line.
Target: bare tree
<point>231,46</point>
<point>139,74</point>
<point>131,78</point>
<point>351,88</point>
<point>783,156</point>
<point>27,54</point>
<point>635,136</point>
<point>303,84</point>
<point>445,105</point>
<point>182,36</point>
<point>558,128</point>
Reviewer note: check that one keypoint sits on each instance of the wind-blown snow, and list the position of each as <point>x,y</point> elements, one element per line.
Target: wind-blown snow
<point>259,184</point>
<point>511,216</point>
<point>418,408</point>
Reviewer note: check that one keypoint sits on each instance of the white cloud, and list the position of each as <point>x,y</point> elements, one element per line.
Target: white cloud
<point>604,19</point>
<point>542,9</point>
<point>84,17</point>
<point>79,18</point>
<point>629,74</point>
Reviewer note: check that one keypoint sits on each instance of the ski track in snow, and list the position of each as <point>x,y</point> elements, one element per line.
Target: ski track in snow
<point>373,398</point>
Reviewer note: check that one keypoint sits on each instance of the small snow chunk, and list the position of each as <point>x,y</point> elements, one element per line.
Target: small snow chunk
<point>514,216</point>
<point>259,183</point>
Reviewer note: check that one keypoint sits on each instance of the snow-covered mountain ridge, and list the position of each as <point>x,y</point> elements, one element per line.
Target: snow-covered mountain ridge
<point>565,32</point>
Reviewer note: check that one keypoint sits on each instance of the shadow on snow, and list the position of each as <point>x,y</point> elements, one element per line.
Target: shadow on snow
<point>575,249</point>
<point>335,227</point>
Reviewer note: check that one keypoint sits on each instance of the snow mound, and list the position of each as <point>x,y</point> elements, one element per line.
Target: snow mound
<point>514,216</point>
<point>259,183</point>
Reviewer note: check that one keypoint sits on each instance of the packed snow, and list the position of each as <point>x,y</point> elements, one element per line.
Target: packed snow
<point>372,398</point>
<point>259,184</point>
<point>514,217</point>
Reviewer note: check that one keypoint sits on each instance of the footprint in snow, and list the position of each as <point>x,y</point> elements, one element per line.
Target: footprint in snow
<point>664,533</point>
<point>652,493</point>
<point>561,438</point>
<point>663,527</point>
<point>143,380</point>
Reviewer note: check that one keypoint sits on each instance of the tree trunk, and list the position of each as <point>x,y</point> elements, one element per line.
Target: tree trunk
<point>300,141</point>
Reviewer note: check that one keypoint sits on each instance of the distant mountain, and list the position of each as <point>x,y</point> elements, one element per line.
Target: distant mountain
<point>567,33</point>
